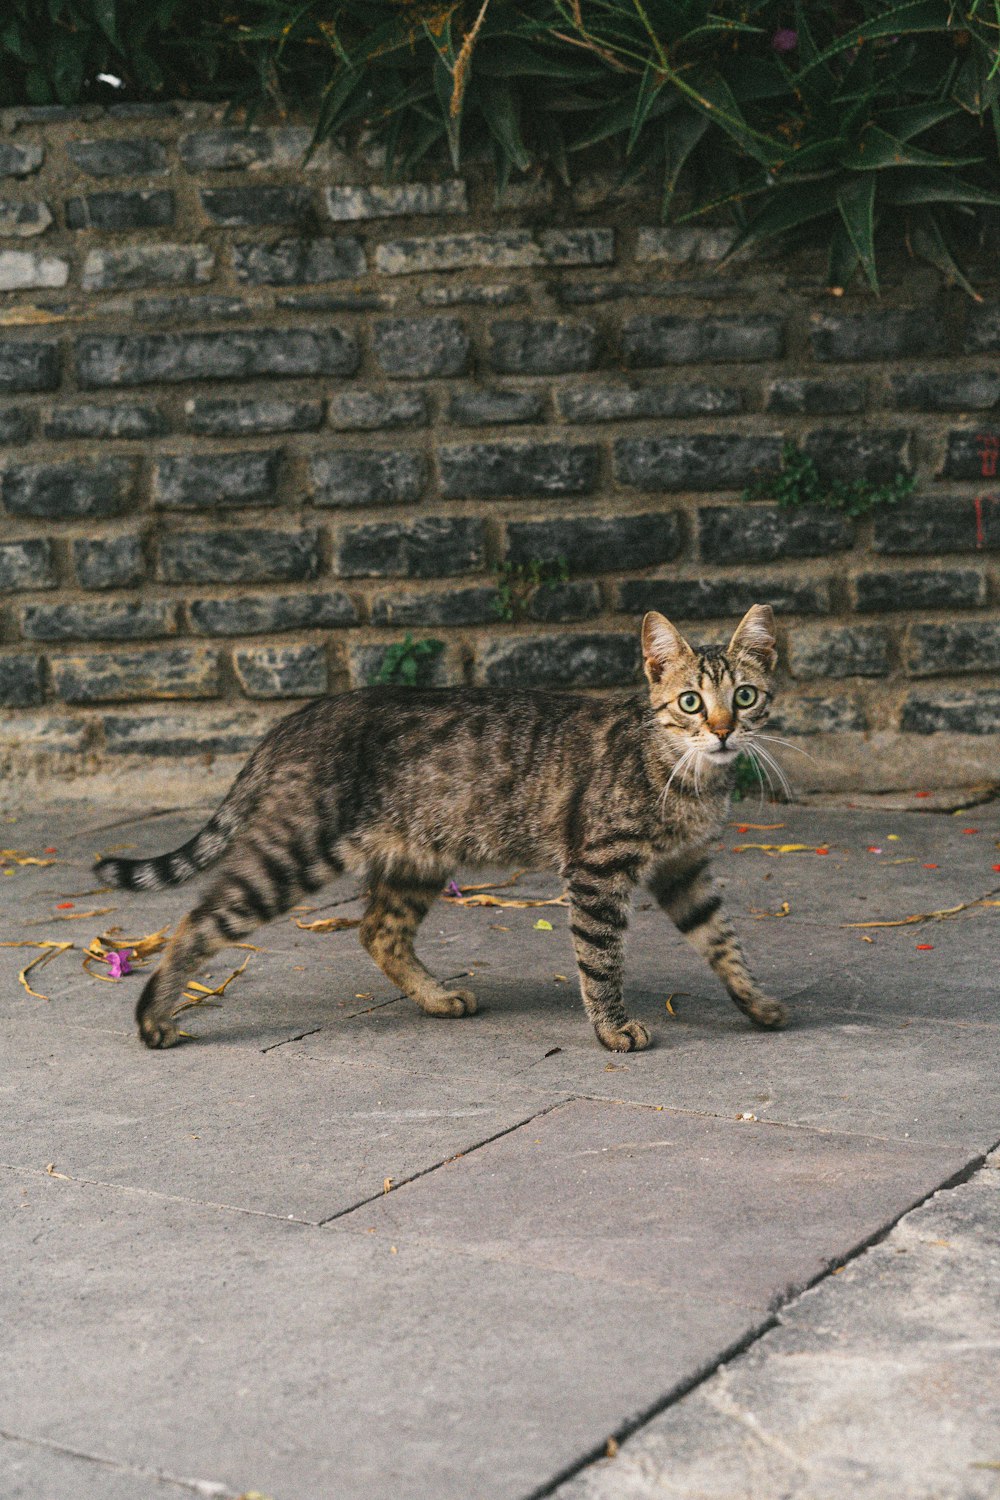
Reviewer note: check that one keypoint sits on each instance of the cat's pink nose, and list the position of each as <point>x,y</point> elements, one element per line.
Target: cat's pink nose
<point>722,736</point>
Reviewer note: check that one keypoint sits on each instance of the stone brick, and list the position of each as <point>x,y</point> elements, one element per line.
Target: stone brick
<point>366,411</point>
<point>22,681</point>
<point>957,646</point>
<point>504,248</point>
<point>138,359</point>
<point>845,454</point>
<point>478,407</point>
<point>577,247</point>
<point>673,340</point>
<point>365,664</point>
<point>52,734</point>
<point>560,603</point>
<point>281,671</point>
<point>838,651</point>
<point>236,418</point>
<point>244,556</point>
<point>476,294</point>
<point>492,470</point>
<point>224,150</point>
<point>705,461</point>
<point>116,562</point>
<point>151,208</point>
<point>542,346</point>
<point>131,156</point>
<point>802,395</point>
<point>367,477</point>
<point>939,525</point>
<point>618,403</point>
<point>876,333</point>
<point>118,676</point>
<point>99,622</point>
<point>722,598</point>
<point>809,714</point>
<point>20,161</point>
<point>87,421</point>
<point>596,544</point>
<point>421,347</point>
<point>28,366</point>
<point>589,293</point>
<point>16,424</point>
<point>189,309</point>
<point>27,565</point>
<point>240,207</point>
<point>200,481</point>
<point>23,270</point>
<point>389,200</point>
<point>69,491</point>
<point>930,588</point>
<point>182,734</point>
<point>973,455</point>
<point>454,606</point>
<point>683,244</point>
<point>299,261</point>
<point>592,659</point>
<point>147,265</point>
<point>345,299</point>
<point>23,219</point>
<point>765,533</point>
<point>973,711</point>
<point>260,614</point>
<point>962,390</point>
<point>141,109</point>
<point>45,114</point>
<point>431,547</point>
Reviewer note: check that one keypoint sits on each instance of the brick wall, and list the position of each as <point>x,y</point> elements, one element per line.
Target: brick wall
<point>259,419</point>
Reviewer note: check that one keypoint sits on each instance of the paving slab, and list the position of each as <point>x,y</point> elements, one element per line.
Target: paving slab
<point>36,1471</point>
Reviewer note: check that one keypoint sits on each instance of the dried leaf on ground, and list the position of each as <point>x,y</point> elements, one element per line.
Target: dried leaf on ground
<point>18,857</point>
<point>784,910</point>
<point>52,951</point>
<point>777,848</point>
<point>940,915</point>
<point>328,924</point>
<point>201,994</point>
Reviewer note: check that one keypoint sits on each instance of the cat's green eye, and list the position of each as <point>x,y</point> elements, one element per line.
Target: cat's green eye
<point>745,696</point>
<point>690,702</point>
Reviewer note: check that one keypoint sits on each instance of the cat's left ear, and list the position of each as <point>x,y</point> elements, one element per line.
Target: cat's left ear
<point>755,637</point>
<point>662,645</point>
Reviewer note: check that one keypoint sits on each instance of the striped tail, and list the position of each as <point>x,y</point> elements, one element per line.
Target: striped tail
<point>180,864</point>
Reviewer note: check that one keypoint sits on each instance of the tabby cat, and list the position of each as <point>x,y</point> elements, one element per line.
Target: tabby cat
<point>407,784</point>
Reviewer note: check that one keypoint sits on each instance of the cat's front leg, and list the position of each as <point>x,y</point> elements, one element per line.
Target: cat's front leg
<point>688,894</point>
<point>598,921</point>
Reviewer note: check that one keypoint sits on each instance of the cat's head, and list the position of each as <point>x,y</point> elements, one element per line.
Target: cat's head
<point>711,700</point>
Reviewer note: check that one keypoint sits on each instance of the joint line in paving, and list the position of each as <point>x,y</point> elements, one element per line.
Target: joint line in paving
<point>211,1489</point>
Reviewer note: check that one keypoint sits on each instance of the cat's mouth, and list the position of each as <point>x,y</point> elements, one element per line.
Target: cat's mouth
<point>721,755</point>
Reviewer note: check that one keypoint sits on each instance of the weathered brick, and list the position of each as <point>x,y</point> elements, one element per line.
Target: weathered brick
<point>200,481</point>
<point>175,733</point>
<point>845,454</point>
<point>973,711</point>
<point>299,261</point>
<point>146,265</point>
<point>142,109</point>
<point>475,294</point>
<point>683,244</point>
<point>118,676</point>
<point>838,651</point>
<point>67,491</point>
<point>27,565</point>
<point>973,454</point>
<point>281,671</point>
<point>589,293</point>
<point>982,330</point>
<point>365,663</point>
<point>561,603</point>
<point>809,714</point>
<point>366,411</point>
<point>22,681</point>
<point>695,461</point>
<point>16,424</point>
<point>345,299</point>
<point>506,247</point>
<point>421,347</point>
<point>189,309</point>
<point>44,114</point>
<point>389,200</point>
<point>963,390</point>
<point>99,622</point>
<point>542,346</point>
<point>764,533</point>
<point>478,407</point>
<point>240,207</point>
<point>150,208</point>
<point>23,219</point>
<point>491,470</point>
<point>673,340</point>
<point>430,547</point>
<point>23,270</point>
<point>929,588</point>
<point>367,477</point>
<point>232,417</point>
<point>116,562</point>
<point>722,598</point>
<point>131,156</point>
<point>244,556</point>
<point>223,150</point>
<point>53,734</point>
<point>815,397</point>
<point>876,333</point>
<point>596,544</point>
<point>260,614</point>
<point>617,403</point>
<point>591,659</point>
<point>453,606</point>
<point>138,359</point>
<point>20,161</point>
<point>939,525</point>
<point>956,646</point>
<point>87,421</point>
<point>28,366</point>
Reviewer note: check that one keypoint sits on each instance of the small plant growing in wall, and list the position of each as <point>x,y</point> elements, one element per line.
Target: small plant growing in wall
<point>408,663</point>
<point>517,582</point>
<point>798,483</point>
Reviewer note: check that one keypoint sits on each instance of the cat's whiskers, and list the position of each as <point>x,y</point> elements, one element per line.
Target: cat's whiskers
<point>789,744</point>
<point>767,759</point>
<point>681,765</point>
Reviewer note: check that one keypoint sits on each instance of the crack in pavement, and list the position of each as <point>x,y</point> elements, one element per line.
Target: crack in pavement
<point>211,1489</point>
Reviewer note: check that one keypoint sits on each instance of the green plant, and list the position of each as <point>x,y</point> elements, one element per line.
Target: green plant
<point>516,582</point>
<point>798,483</point>
<point>408,663</point>
<point>746,778</point>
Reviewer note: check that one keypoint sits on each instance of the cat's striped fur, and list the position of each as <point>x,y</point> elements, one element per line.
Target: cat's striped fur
<point>406,785</point>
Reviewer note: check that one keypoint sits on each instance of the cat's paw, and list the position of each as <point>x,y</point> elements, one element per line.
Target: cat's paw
<point>632,1036</point>
<point>768,1013</point>
<point>450,1003</point>
<point>159,1034</point>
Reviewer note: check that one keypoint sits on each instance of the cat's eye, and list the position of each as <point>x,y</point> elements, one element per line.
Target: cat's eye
<point>690,702</point>
<point>745,696</point>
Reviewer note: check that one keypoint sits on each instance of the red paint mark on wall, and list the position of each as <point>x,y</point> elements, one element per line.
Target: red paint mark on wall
<point>988,445</point>
<point>980,533</point>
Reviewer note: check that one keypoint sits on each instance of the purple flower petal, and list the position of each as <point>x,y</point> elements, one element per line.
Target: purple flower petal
<point>785,40</point>
<point>451,889</point>
<point>118,964</point>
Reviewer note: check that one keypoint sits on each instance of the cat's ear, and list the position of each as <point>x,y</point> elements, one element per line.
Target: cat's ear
<point>755,637</point>
<point>662,646</point>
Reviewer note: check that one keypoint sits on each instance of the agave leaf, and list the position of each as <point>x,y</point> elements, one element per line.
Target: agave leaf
<point>650,90</point>
<point>709,92</point>
<point>977,85</point>
<point>843,259</point>
<point>928,242</point>
<point>928,185</point>
<point>510,58</point>
<point>903,20</point>
<point>856,202</point>
<point>787,208</point>
<point>681,134</point>
<point>501,114</point>
<point>876,149</point>
<point>913,119</point>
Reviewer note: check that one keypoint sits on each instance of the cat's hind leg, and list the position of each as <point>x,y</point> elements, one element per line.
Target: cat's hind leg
<point>397,906</point>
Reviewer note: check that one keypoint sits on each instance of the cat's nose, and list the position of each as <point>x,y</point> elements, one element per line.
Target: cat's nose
<point>722,736</point>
